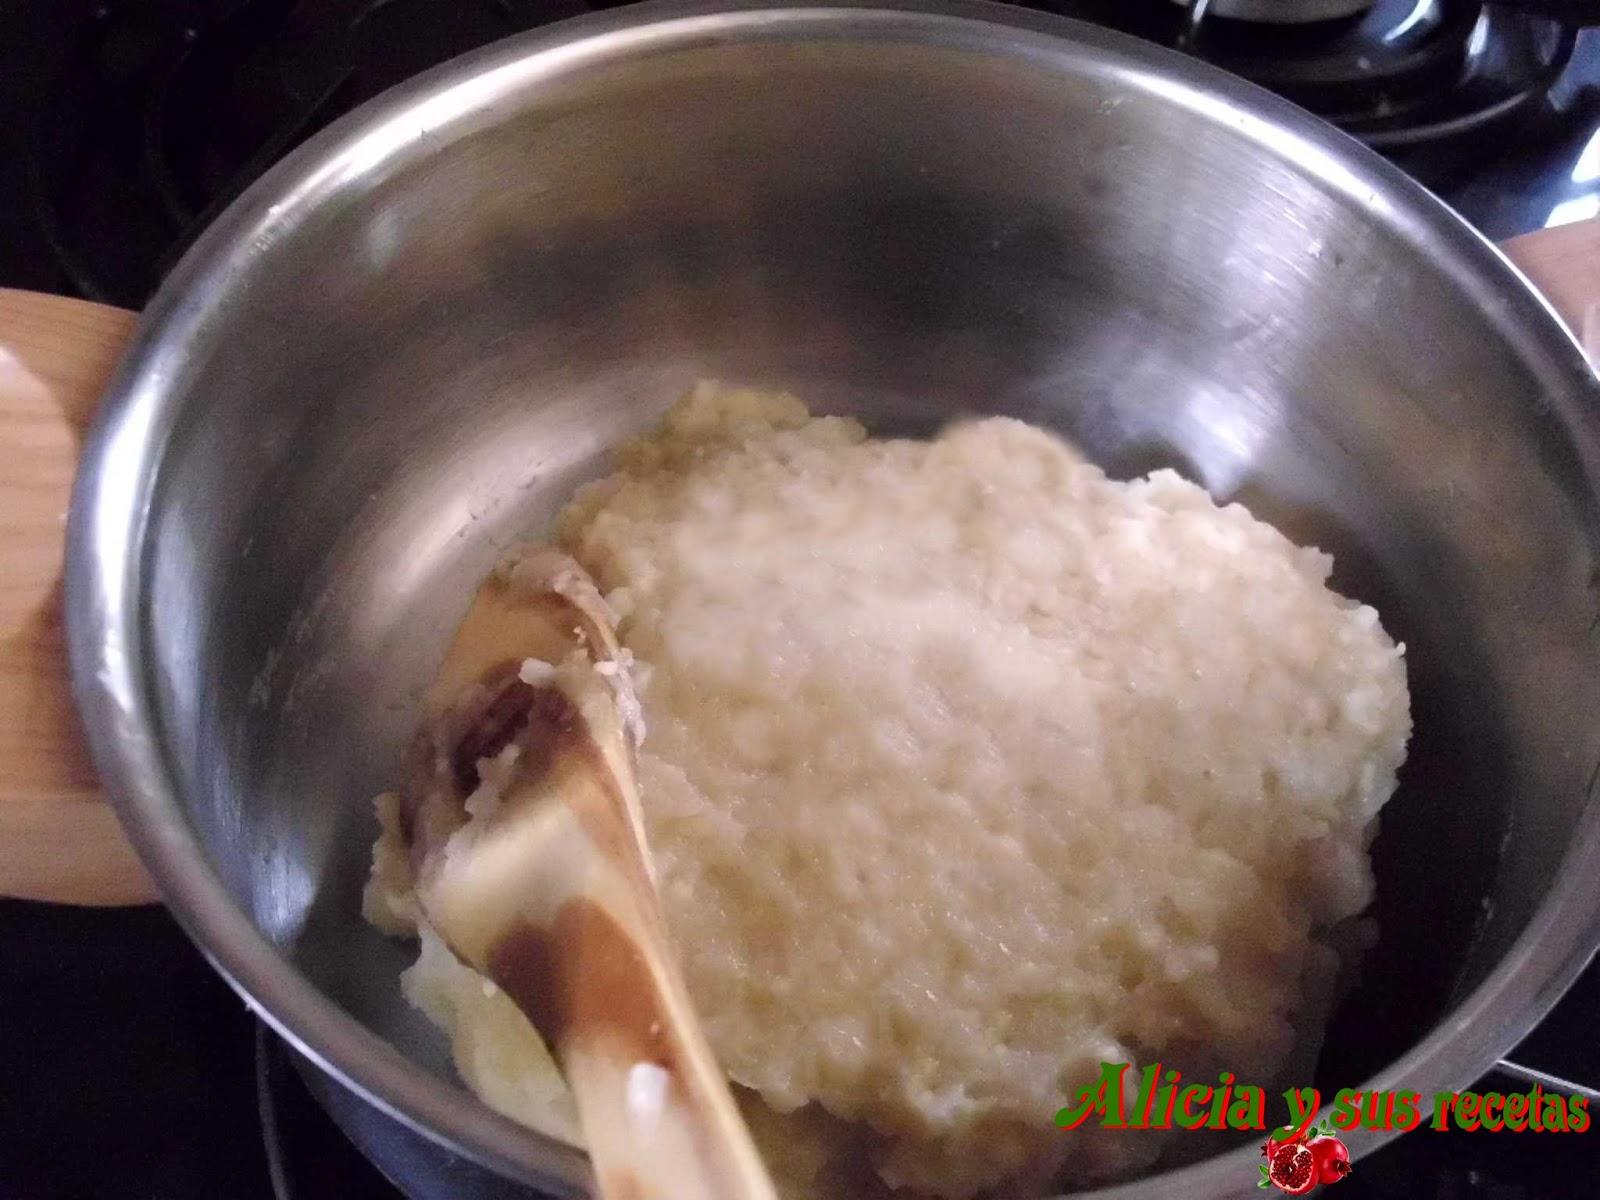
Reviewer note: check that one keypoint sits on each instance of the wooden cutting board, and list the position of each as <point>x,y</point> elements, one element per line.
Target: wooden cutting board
<point>58,839</point>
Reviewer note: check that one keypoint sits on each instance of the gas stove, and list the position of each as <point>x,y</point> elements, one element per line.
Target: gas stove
<point>132,123</point>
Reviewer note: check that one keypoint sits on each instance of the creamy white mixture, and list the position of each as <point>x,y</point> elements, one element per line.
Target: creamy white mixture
<point>968,768</point>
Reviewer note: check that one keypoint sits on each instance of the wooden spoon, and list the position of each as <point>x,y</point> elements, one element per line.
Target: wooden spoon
<point>531,863</point>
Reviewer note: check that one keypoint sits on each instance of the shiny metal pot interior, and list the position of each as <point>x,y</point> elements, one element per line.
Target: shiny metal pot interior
<point>406,344</point>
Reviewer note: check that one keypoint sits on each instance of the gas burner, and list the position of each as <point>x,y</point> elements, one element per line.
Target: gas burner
<point>1407,72</point>
<point>1279,12</point>
<point>1397,54</point>
<point>1396,73</point>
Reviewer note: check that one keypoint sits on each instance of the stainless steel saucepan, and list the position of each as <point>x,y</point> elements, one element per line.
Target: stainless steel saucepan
<point>406,344</point>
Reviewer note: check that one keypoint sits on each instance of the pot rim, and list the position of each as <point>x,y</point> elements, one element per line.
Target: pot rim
<point>122,458</point>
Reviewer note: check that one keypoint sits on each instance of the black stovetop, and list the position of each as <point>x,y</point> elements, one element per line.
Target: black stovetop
<point>129,1068</point>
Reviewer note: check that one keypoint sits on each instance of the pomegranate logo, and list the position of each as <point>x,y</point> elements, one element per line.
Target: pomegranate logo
<point>1299,1163</point>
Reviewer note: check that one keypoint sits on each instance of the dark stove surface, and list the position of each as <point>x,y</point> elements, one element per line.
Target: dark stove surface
<point>125,125</point>
<point>146,119</point>
<point>128,1063</point>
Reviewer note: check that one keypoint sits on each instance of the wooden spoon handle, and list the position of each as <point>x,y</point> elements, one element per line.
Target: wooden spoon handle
<point>544,885</point>
<point>593,971</point>
<point>660,1121</point>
